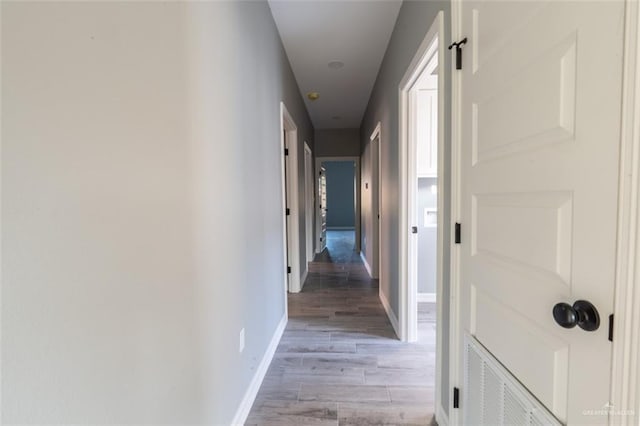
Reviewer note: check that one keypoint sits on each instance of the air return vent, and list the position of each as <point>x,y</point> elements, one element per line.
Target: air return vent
<point>492,396</point>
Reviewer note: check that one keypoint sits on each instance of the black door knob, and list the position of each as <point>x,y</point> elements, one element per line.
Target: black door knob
<point>582,313</point>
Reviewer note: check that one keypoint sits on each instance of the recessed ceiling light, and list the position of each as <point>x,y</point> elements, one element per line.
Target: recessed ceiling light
<point>336,64</point>
<point>336,117</point>
<point>313,96</point>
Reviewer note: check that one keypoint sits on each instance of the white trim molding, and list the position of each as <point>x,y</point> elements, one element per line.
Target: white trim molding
<point>290,197</point>
<point>455,348</point>
<point>376,207</point>
<point>252,391</point>
<point>625,382</point>
<point>429,49</point>
<point>387,308</point>
<point>309,202</point>
<point>441,416</point>
<point>366,264</point>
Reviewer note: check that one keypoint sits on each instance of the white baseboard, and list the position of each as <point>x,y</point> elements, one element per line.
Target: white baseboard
<point>427,297</point>
<point>441,418</point>
<point>252,391</point>
<point>392,317</point>
<point>366,264</point>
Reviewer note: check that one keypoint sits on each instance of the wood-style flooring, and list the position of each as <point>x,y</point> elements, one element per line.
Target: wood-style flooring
<point>339,361</point>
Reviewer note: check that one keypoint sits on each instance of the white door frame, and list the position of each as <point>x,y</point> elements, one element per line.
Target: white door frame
<point>408,178</point>
<point>291,229</point>
<point>455,377</point>
<point>309,197</point>
<point>625,379</point>
<point>376,214</point>
<point>319,161</point>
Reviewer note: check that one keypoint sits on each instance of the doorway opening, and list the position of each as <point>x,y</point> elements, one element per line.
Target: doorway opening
<point>338,207</point>
<point>338,181</point>
<point>422,202</point>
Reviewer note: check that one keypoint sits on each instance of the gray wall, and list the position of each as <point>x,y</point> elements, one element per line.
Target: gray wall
<point>427,237</point>
<point>138,140</point>
<point>340,193</point>
<point>413,22</point>
<point>337,143</point>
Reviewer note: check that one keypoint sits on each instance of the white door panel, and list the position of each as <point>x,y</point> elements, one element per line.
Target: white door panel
<point>541,98</point>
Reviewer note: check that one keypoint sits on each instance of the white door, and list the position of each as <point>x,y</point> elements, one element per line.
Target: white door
<point>541,101</point>
<point>322,209</point>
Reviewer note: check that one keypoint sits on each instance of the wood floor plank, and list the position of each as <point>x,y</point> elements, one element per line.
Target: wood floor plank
<point>312,347</point>
<point>339,360</point>
<point>398,376</point>
<point>420,395</point>
<point>350,414</point>
<point>348,393</point>
<point>286,413</point>
<point>417,361</point>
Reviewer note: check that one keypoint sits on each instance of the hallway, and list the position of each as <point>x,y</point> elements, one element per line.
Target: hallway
<point>339,361</point>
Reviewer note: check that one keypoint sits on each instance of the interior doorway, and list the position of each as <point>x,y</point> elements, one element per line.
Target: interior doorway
<point>423,136</point>
<point>339,212</point>
<point>422,202</point>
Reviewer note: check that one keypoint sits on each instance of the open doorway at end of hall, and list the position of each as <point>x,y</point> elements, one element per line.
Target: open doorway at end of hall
<point>338,216</point>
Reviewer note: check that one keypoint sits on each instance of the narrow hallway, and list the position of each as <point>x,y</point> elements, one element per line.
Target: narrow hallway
<point>339,361</point>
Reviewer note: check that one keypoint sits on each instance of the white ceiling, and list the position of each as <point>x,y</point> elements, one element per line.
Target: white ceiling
<point>317,32</point>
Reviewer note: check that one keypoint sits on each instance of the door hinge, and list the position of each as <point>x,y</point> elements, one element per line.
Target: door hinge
<point>458,47</point>
<point>414,229</point>
<point>286,151</point>
<point>288,269</point>
<point>456,398</point>
<point>287,211</point>
<point>458,234</point>
<point>611,328</point>
<point>321,239</point>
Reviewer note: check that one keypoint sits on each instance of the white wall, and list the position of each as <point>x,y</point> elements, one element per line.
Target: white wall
<point>139,142</point>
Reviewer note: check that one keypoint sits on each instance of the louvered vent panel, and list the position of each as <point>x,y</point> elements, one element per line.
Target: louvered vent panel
<point>475,386</point>
<point>514,412</point>
<point>536,421</point>
<point>492,396</point>
<point>492,407</point>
